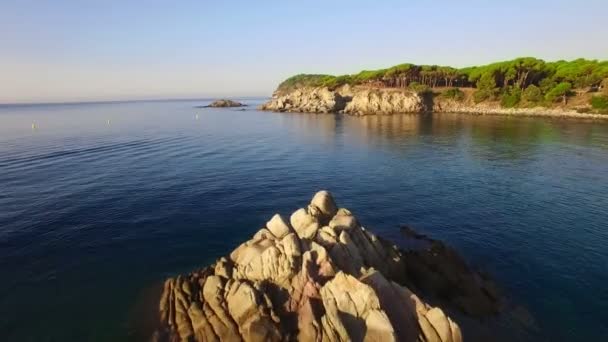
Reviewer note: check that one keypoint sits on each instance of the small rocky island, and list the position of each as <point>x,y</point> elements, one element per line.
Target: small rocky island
<point>223,103</point>
<point>321,276</point>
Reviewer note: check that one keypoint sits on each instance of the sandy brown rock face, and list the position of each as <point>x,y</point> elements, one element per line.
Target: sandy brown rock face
<point>373,101</point>
<point>307,100</point>
<point>320,277</point>
<point>357,101</point>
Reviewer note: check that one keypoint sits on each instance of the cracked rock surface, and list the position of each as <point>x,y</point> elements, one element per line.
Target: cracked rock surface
<point>316,276</point>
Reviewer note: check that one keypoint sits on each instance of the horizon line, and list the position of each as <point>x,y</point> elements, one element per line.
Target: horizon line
<point>76,102</point>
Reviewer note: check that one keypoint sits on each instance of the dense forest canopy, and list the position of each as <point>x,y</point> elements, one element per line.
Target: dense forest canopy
<point>520,73</point>
<point>527,78</point>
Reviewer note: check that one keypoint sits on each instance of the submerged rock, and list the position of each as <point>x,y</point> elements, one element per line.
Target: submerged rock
<point>439,272</point>
<point>223,103</point>
<point>320,277</point>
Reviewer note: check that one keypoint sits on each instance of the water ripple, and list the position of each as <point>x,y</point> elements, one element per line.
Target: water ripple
<point>107,210</point>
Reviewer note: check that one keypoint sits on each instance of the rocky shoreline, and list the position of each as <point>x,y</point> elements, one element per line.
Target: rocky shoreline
<point>321,276</point>
<point>370,101</point>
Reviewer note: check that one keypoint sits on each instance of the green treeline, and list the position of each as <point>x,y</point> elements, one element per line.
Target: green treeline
<point>529,79</point>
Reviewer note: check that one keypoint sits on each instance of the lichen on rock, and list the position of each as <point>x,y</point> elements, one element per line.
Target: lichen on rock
<point>320,277</point>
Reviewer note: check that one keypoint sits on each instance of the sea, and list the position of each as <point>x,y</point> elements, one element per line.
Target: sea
<point>100,202</point>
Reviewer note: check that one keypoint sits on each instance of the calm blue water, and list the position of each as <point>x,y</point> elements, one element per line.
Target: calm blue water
<point>93,212</point>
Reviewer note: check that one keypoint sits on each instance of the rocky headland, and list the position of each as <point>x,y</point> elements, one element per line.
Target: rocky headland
<point>522,86</point>
<point>382,101</point>
<point>321,276</point>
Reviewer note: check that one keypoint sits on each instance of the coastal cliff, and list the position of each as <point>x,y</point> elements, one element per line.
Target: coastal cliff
<point>372,101</point>
<point>321,276</point>
<point>346,100</point>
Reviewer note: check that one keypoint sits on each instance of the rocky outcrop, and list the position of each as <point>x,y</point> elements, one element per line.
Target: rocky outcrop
<point>223,104</point>
<point>308,100</point>
<point>373,101</point>
<point>318,276</point>
<point>357,101</point>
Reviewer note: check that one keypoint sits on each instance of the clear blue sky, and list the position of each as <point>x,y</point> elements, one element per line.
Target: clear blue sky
<point>99,50</point>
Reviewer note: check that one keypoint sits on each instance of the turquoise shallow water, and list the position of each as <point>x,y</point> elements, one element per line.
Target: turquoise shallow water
<point>101,201</point>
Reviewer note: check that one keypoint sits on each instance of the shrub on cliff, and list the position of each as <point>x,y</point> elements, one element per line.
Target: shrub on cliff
<point>454,94</point>
<point>560,91</point>
<point>335,82</point>
<point>419,88</point>
<point>304,80</point>
<point>532,94</point>
<point>480,96</point>
<point>368,75</point>
<point>511,97</point>
<point>599,102</point>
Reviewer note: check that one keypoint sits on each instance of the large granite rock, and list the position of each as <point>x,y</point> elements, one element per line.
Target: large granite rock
<point>354,101</point>
<point>374,101</point>
<point>320,277</point>
<point>307,100</point>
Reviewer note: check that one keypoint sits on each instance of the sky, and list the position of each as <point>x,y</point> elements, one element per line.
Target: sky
<point>56,51</point>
